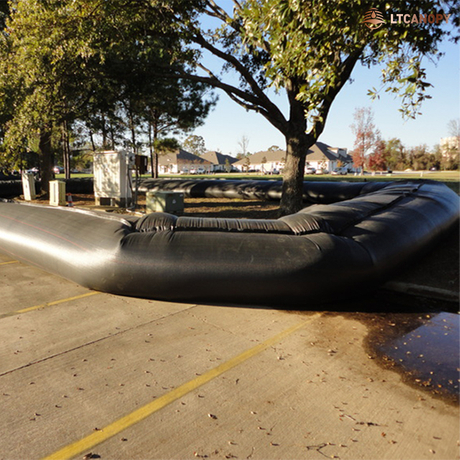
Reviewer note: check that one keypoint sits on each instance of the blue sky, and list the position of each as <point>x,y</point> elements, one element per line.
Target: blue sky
<point>226,125</point>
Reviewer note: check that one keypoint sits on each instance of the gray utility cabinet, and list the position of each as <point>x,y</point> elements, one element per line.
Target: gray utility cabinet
<point>164,202</point>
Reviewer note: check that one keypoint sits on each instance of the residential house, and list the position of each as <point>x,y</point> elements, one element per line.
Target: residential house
<point>265,162</point>
<point>220,161</point>
<point>323,157</point>
<point>320,156</point>
<point>181,161</point>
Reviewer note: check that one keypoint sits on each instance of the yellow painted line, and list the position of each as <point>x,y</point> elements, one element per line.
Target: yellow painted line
<point>10,262</point>
<point>47,304</point>
<point>83,445</point>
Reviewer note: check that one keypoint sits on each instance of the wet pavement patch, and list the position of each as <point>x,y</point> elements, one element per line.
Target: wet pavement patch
<point>423,347</point>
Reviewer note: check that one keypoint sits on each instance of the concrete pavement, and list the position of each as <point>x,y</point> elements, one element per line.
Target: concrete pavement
<point>85,374</point>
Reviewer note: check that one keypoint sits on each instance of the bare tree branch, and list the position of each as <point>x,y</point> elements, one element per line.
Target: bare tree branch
<point>263,99</point>
<point>243,98</point>
<point>217,11</point>
<point>237,4</point>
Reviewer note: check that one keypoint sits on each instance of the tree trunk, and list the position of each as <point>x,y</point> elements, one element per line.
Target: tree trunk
<point>153,136</point>
<point>91,136</point>
<point>297,145</point>
<point>293,174</point>
<point>46,160</point>
<point>104,132</point>
<point>153,153</point>
<point>132,128</point>
<point>133,139</point>
<point>112,136</point>
<point>65,149</point>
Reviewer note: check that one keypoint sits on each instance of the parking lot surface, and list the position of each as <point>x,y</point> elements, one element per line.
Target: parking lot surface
<point>91,375</point>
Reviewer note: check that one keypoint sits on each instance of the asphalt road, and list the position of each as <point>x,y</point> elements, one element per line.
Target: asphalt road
<point>91,375</point>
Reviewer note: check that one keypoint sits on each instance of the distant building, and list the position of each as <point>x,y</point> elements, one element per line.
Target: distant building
<point>268,161</point>
<point>220,161</point>
<point>182,161</point>
<point>323,157</point>
<point>320,156</point>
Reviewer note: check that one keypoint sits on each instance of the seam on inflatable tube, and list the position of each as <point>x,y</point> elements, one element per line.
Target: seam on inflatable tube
<point>369,214</point>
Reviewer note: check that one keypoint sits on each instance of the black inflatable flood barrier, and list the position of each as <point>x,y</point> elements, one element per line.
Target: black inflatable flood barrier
<point>313,191</point>
<point>325,252</point>
<point>13,188</point>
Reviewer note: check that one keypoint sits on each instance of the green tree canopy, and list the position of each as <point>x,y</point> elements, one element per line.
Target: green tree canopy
<point>182,105</point>
<point>93,61</point>
<point>195,144</point>
<point>395,154</point>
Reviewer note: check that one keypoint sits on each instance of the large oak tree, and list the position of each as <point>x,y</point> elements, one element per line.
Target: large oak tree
<point>308,49</point>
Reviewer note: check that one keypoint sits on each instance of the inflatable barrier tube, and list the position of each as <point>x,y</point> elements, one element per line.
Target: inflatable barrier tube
<point>323,253</point>
<point>79,185</point>
<point>313,191</point>
<point>10,188</point>
<point>13,188</point>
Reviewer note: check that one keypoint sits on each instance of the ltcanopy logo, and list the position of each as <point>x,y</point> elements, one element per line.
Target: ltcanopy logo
<point>421,18</point>
<point>374,19</point>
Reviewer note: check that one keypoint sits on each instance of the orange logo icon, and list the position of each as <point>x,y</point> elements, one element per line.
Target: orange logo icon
<point>373,19</point>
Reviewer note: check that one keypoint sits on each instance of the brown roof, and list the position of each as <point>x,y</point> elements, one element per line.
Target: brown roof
<point>181,157</point>
<point>269,155</point>
<point>319,152</point>
<point>218,158</point>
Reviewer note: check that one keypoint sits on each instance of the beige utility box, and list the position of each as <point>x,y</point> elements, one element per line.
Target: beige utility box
<point>164,202</point>
<point>28,186</point>
<point>112,179</point>
<point>57,193</point>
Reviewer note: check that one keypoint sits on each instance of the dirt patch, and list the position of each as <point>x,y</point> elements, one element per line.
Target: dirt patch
<point>199,207</point>
<point>74,199</point>
<point>240,209</point>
